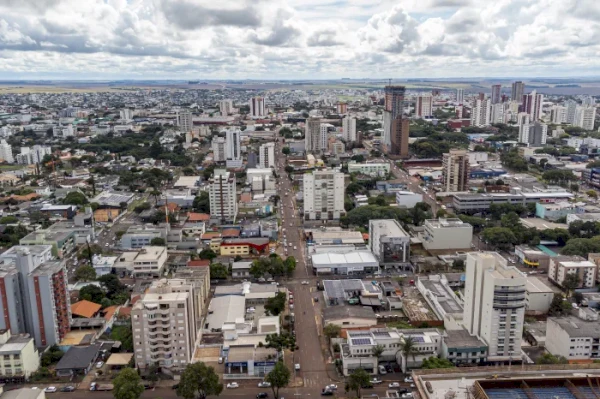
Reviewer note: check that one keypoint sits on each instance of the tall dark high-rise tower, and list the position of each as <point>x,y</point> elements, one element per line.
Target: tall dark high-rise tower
<point>496,89</point>
<point>395,125</point>
<point>518,89</point>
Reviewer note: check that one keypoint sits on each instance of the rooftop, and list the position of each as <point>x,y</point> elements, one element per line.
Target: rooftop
<point>85,308</point>
<point>462,339</point>
<point>225,309</point>
<point>447,223</point>
<point>576,327</point>
<point>389,227</point>
<point>349,258</point>
<point>535,285</point>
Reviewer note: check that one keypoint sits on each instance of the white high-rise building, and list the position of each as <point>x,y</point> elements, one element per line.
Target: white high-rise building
<point>498,113</point>
<point>535,134</point>
<point>226,107</point>
<point>584,117</point>
<point>494,307</point>
<point>266,156</point>
<point>349,127</point>
<point>424,106</point>
<point>6,152</point>
<point>184,121</point>
<point>234,148</point>
<point>223,196</point>
<point>164,325</point>
<point>588,101</point>
<point>558,114</point>
<point>522,120</point>
<point>257,107</point>
<point>323,195</point>
<point>126,114</point>
<point>33,155</point>
<point>315,139</point>
<point>481,113</point>
<point>460,96</point>
<point>218,148</point>
<point>571,110</point>
<point>532,104</point>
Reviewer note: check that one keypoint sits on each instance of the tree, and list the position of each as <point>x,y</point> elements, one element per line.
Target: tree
<point>332,331</point>
<point>51,356</point>
<point>75,198</point>
<point>592,193</point>
<point>581,246</point>
<point>276,304</point>
<point>207,254</point>
<point>378,350</point>
<point>574,187</point>
<point>218,271</point>
<point>279,378</point>
<point>458,264</point>
<point>85,273</point>
<point>202,203</point>
<point>578,297</point>
<point>127,384</point>
<point>156,194</point>
<point>112,285</point>
<point>258,268</point>
<point>593,164</point>
<point>91,293</point>
<point>570,282</point>
<point>281,341</point>
<point>158,241</point>
<point>408,347</point>
<point>289,168</point>
<point>558,307</point>
<point>434,362</point>
<point>286,150</point>
<point>501,237</point>
<point>548,358</point>
<point>358,379</point>
<point>8,219</point>
<point>199,381</point>
<point>123,334</point>
<point>289,265</point>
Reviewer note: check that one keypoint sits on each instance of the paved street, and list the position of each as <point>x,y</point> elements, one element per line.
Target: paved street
<point>413,184</point>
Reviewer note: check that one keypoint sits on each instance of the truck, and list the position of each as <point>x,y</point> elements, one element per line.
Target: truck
<point>101,387</point>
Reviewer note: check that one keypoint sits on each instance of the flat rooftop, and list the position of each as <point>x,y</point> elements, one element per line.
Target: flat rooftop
<point>445,300</point>
<point>389,227</point>
<point>447,223</point>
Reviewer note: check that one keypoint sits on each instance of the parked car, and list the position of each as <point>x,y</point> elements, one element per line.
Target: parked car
<point>325,392</point>
<point>99,365</point>
<point>408,379</point>
<point>406,395</point>
<point>233,385</point>
<point>376,381</point>
<point>50,390</point>
<point>394,385</point>
<point>331,387</point>
<point>305,282</point>
<point>297,366</point>
<point>68,388</point>
<point>262,395</point>
<point>264,384</point>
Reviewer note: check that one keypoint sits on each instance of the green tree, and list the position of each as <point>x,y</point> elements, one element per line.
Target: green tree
<point>281,341</point>
<point>91,293</point>
<point>127,384</point>
<point>218,271</point>
<point>276,304</point>
<point>501,237</point>
<point>207,254</point>
<point>85,273</point>
<point>559,307</point>
<point>286,150</point>
<point>75,198</point>
<point>289,265</point>
<point>408,347</point>
<point>570,282</point>
<point>548,358</point>
<point>458,264</point>
<point>379,200</point>
<point>378,350</point>
<point>332,330</point>
<point>158,241</point>
<point>581,246</point>
<point>258,268</point>
<point>434,362</point>
<point>112,285</point>
<point>279,378</point>
<point>199,381</point>
<point>357,380</point>
<point>593,164</point>
<point>9,219</point>
<point>592,193</point>
<point>51,356</point>
<point>202,203</point>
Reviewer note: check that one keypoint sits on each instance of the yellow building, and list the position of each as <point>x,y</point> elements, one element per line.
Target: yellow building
<point>19,354</point>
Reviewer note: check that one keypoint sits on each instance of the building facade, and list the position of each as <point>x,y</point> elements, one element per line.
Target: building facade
<point>424,106</point>
<point>323,195</point>
<point>532,105</point>
<point>442,234</point>
<point>395,126</point>
<point>184,121</point>
<point>389,242</point>
<point>481,113</point>
<point>349,128</point>
<point>562,266</point>
<point>313,138</point>
<point>517,91</point>
<point>455,172</point>
<point>257,107</point>
<point>266,156</point>
<point>223,195</point>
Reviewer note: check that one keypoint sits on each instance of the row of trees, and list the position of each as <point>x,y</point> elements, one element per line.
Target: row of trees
<point>360,216</point>
<point>274,265</point>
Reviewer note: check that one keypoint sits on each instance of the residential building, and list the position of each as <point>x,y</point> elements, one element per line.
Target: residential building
<point>323,195</point>
<point>591,177</point>
<point>584,117</point>
<point>462,348</point>
<point>535,134</point>
<point>315,137</point>
<point>561,266</point>
<point>455,172</point>
<point>539,296</point>
<point>576,338</point>
<point>438,294</point>
<point>103,264</point>
<point>141,236</point>
<point>226,107</point>
<point>444,234</point>
<point>496,94</point>
<point>164,325</point>
<point>532,105</point>
<point>349,128</point>
<point>257,107</point>
<point>341,108</point>
<point>150,262</point>
<point>408,199</point>
<point>558,114</point>
<point>233,148</point>
<point>219,146</point>
<point>199,278</point>
<point>62,242</point>
<point>517,91</point>
<point>473,203</point>
<point>395,126</point>
<point>494,305</point>
<point>19,354</point>
<point>571,111</point>
<point>460,96</point>
<point>481,113</point>
<point>33,155</point>
<point>184,121</point>
<point>498,113</point>
<point>266,156</point>
<point>376,169</point>
<point>223,195</point>
<point>126,114</point>
<point>6,152</point>
<point>424,106</point>
<point>241,269</point>
<point>389,242</point>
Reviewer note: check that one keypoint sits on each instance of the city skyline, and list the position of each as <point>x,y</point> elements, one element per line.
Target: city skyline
<point>296,39</point>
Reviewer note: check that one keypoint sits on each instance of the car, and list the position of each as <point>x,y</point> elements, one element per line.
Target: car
<point>295,248</point>
<point>68,388</point>
<point>394,385</point>
<point>408,379</point>
<point>264,384</point>
<point>376,381</point>
<point>331,387</point>
<point>297,366</point>
<point>50,390</point>
<point>262,395</point>
<point>316,299</point>
<point>291,224</point>
<point>291,306</point>
<point>106,245</point>
<point>99,365</point>
<point>407,395</point>
<point>412,385</point>
<point>305,282</point>
<point>261,280</point>
<point>220,360</point>
<point>326,392</point>
<point>232,385</point>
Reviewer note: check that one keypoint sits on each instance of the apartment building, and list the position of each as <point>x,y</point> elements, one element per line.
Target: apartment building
<point>577,338</point>
<point>349,128</point>
<point>534,134</point>
<point>223,195</point>
<point>532,105</point>
<point>20,357</point>
<point>218,146</point>
<point>323,195</point>
<point>396,126</point>
<point>442,233</point>
<point>424,106</point>
<point>184,121</point>
<point>315,135</point>
<point>585,117</point>
<point>481,113</point>
<point>233,148</point>
<point>226,107</point>
<point>380,169</point>
<point>150,262</point>
<point>199,278</point>
<point>462,348</point>
<point>164,325</point>
<point>455,172</point>
<point>33,155</point>
<point>494,305</point>
<point>257,107</point>
<point>141,236</point>
<point>389,242</point>
<point>561,266</point>
<point>266,156</point>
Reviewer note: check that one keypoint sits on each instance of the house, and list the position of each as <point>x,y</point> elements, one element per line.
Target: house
<point>85,309</point>
<point>77,361</point>
<point>240,269</point>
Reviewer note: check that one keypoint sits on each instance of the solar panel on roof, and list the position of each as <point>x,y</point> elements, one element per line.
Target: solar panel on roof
<point>417,338</point>
<point>361,341</point>
<point>381,334</point>
<point>360,334</point>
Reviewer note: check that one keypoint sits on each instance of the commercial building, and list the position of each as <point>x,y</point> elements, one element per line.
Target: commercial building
<point>561,266</point>
<point>440,296</point>
<point>532,105</point>
<point>591,177</point>
<point>408,199</point>
<point>223,196</point>
<point>349,128</point>
<point>577,338</point>
<point>556,211</point>
<point>357,352</point>
<point>455,172</point>
<point>376,169</point>
<point>315,138</point>
<point>444,234</point>
<point>389,242</point>
<point>349,316</point>
<point>494,305</point>
<point>395,125</point>
<point>424,106</point>
<point>184,121</point>
<point>462,348</point>
<point>266,156</point>
<point>481,113</point>
<point>107,199</point>
<point>150,262</point>
<point>539,296</point>
<point>357,262</point>
<point>323,195</point>
<point>257,107</point>
<point>103,264</point>
<point>473,203</point>
<point>243,246</point>
<point>531,257</point>
<point>164,325</point>
<point>517,91</point>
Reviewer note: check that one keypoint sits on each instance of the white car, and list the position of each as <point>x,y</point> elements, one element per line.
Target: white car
<point>264,384</point>
<point>406,395</point>
<point>99,365</point>
<point>50,390</point>
<point>297,366</point>
<point>305,282</point>
<point>331,387</point>
<point>376,381</point>
<point>394,385</point>
<point>233,385</point>
<point>291,306</point>
<point>408,379</point>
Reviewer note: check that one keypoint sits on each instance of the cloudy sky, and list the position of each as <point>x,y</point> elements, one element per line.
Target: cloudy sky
<point>297,39</point>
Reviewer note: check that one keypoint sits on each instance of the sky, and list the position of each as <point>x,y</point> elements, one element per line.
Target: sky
<point>298,39</point>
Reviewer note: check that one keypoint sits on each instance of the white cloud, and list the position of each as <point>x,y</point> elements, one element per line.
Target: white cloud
<point>297,38</point>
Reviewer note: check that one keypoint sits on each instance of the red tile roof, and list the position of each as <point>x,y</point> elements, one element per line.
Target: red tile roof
<point>230,233</point>
<point>85,308</point>
<point>199,263</point>
<point>198,217</point>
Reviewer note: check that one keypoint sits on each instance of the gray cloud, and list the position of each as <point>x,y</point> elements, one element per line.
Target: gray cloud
<point>323,38</point>
<point>281,34</point>
<point>193,16</point>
